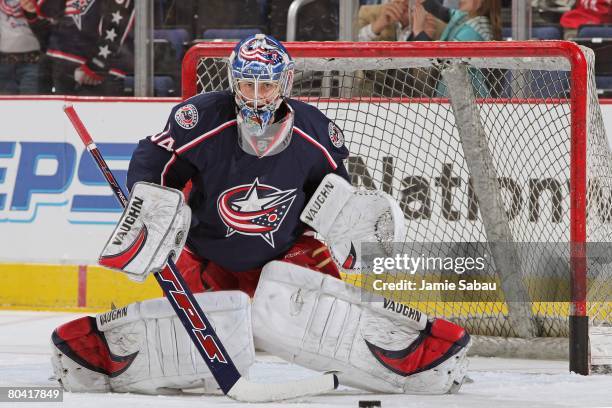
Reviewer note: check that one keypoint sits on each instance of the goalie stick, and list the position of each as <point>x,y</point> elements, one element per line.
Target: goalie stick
<point>197,325</point>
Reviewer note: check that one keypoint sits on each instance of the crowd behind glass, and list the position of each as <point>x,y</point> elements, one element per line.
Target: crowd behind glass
<point>85,47</point>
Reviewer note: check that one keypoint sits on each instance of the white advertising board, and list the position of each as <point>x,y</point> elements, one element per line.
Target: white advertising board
<point>54,205</point>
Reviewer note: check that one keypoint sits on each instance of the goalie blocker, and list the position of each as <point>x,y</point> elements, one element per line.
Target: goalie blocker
<point>153,227</point>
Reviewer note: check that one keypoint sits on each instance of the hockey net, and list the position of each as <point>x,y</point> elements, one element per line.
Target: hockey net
<point>483,145</point>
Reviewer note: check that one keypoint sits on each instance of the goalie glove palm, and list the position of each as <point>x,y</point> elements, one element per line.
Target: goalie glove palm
<point>346,217</point>
<point>154,226</point>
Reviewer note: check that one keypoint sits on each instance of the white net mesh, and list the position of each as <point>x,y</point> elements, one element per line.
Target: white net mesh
<point>403,138</point>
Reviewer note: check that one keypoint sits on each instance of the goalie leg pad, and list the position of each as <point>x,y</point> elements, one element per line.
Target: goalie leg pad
<point>144,348</point>
<point>321,323</point>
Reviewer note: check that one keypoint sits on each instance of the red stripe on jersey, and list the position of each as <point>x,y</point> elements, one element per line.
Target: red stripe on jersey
<point>129,25</point>
<point>117,72</point>
<point>191,144</point>
<point>66,56</point>
<point>205,136</point>
<point>165,170</point>
<point>318,145</point>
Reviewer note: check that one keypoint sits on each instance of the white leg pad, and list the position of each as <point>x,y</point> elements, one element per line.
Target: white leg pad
<point>320,322</point>
<point>166,361</point>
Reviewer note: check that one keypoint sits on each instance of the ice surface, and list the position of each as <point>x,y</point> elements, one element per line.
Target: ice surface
<point>498,383</point>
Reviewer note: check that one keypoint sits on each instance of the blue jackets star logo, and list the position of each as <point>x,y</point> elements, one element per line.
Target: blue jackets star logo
<point>254,209</point>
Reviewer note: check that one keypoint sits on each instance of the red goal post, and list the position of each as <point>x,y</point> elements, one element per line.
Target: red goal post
<point>371,72</point>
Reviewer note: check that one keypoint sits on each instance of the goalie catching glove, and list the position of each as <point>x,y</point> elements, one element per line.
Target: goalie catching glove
<point>346,216</point>
<point>153,227</point>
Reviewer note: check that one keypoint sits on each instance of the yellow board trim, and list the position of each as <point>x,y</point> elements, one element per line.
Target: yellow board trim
<point>600,310</point>
<point>56,288</point>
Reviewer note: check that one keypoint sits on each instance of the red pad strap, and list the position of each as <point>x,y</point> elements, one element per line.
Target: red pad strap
<point>426,351</point>
<point>443,329</point>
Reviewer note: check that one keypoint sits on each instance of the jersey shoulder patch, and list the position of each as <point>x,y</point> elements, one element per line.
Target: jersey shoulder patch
<point>191,111</point>
<point>198,115</point>
<point>335,135</point>
<point>187,116</point>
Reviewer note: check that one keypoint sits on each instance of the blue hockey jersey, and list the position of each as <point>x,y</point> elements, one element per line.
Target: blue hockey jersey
<point>245,209</point>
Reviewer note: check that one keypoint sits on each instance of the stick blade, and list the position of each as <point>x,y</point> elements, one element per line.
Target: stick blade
<point>246,391</point>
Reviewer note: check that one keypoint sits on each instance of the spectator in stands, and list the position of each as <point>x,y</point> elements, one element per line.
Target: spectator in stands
<point>19,47</point>
<point>85,45</point>
<point>474,20</point>
<point>586,12</point>
<point>549,11</point>
<point>391,22</point>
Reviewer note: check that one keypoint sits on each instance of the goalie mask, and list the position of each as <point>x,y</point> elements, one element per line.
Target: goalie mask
<point>261,76</point>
